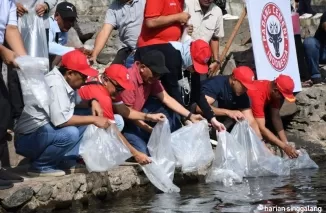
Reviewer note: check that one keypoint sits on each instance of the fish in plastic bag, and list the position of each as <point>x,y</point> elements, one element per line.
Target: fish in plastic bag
<point>161,171</point>
<point>258,161</point>
<point>303,161</point>
<point>102,149</point>
<point>32,30</point>
<point>227,166</point>
<point>35,90</point>
<point>191,146</point>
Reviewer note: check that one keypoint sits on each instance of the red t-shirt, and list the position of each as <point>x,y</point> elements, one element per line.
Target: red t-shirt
<point>260,98</point>
<point>156,8</point>
<point>101,94</point>
<point>137,98</point>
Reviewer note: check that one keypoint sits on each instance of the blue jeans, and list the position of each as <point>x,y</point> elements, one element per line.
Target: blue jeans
<point>138,137</point>
<point>130,60</point>
<point>315,54</point>
<point>49,145</point>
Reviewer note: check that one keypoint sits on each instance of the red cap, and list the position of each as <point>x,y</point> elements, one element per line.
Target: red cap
<point>285,85</point>
<point>246,76</point>
<point>77,61</point>
<point>200,55</point>
<point>119,73</point>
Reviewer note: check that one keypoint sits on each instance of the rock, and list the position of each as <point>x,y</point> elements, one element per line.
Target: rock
<point>45,193</point>
<point>86,28</point>
<point>73,39</point>
<point>30,206</point>
<point>229,67</point>
<point>107,54</point>
<point>2,210</point>
<point>18,198</point>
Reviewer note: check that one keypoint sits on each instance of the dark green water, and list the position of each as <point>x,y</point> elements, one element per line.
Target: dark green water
<point>306,189</point>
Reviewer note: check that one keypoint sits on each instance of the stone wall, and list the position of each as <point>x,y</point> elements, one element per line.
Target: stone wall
<point>77,190</point>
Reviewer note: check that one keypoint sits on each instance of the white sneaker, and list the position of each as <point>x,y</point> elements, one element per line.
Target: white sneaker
<point>317,16</point>
<point>230,17</point>
<point>306,16</point>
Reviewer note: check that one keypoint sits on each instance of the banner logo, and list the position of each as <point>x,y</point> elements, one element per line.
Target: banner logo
<point>275,36</point>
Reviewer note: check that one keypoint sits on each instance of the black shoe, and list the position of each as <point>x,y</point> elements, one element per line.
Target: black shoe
<point>5,184</point>
<point>5,175</point>
<point>319,81</point>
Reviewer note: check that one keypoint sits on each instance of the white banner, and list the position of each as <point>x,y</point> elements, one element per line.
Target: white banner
<point>273,39</point>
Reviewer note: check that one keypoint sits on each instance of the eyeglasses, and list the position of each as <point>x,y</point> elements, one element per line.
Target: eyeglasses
<point>118,87</point>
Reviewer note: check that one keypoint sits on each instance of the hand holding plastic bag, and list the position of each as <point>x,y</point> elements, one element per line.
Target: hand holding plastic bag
<point>301,162</point>
<point>32,30</point>
<point>102,149</point>
<point>258,160</point>
<point>161,171</point>
<point>191,146</point>
<point>227,166</point>
<point>35,90</point>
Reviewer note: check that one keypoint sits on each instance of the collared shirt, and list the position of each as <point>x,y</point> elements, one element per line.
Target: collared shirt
<point>57,39</point>
<point>127,19</point>
<point>8,16</point>
<point>161,35</point>
<point>95,89</point>
<point>184,49</point>
<point>205,26</point>
<point>220,90</point>
<point>260,98</point>
<point>61,108</point>
<point>137,98</point>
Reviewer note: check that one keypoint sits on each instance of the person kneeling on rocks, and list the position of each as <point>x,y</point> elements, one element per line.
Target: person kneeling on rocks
<point>228,98</point>
<point>144,75</point>
<point>266,102</point>
<point>106,88</point>
<point>51,141</point>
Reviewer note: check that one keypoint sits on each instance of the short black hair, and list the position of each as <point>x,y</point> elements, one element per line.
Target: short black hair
<point>63,70</point>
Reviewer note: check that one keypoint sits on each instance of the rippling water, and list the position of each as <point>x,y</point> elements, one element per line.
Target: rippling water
<point>306,189</point>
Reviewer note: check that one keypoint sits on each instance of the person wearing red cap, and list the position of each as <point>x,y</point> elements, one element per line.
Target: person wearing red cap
<point>228,99</point>
<point>195,55</point>
<point>145,74</point>
<point>270,95</point>
<point>106,89</point>
<point>48,137</point>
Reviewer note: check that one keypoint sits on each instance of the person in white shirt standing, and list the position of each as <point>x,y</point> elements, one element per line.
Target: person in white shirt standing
<point>9,33</point>
<point>207,24</point>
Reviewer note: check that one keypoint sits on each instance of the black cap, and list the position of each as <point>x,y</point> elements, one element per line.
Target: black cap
<point>66,10</point>
<point>155,61</point>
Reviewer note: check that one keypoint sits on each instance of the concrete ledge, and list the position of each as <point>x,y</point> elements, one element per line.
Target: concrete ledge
<point>52,193</point>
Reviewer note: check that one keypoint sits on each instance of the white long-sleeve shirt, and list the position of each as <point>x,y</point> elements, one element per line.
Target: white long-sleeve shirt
<point>57,48</point>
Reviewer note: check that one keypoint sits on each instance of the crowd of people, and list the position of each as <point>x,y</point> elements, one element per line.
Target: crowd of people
<point>154,76</point>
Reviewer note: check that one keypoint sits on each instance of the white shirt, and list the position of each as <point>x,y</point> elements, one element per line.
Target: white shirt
<point>8,16</point>
<point>57,48</point>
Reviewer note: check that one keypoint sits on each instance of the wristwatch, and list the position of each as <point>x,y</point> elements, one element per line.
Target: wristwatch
<point>215,60</point>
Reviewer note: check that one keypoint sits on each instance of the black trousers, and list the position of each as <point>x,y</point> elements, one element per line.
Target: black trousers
<point>303,68</point>
<point>121,56</point>
<point>305,7</point>
<point>221,4</point>
<point>5,108</point>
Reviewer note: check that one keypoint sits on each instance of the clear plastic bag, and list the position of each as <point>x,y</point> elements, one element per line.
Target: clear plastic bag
<point>191,146</point>
<point>227,166</point>
<point>301,162</point>
<point>32,30</point>
<point>35,90</point>
<point>102,149</point>
<point>161,171</point>
<point>258,160</point>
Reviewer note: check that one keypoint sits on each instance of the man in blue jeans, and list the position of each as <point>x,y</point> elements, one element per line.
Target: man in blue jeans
<point>49,139</point>
<point>144,75</point>
<point>315,50</point>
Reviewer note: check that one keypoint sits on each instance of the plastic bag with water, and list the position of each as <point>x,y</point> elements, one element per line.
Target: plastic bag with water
<point>301,162</point>
<point>35,90</point>
<point>102,149</point>
<point>258,160</point>
<point>227,166</point>
<point>161,171</point>
<point>191,146</point>
<point>32,30</point>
